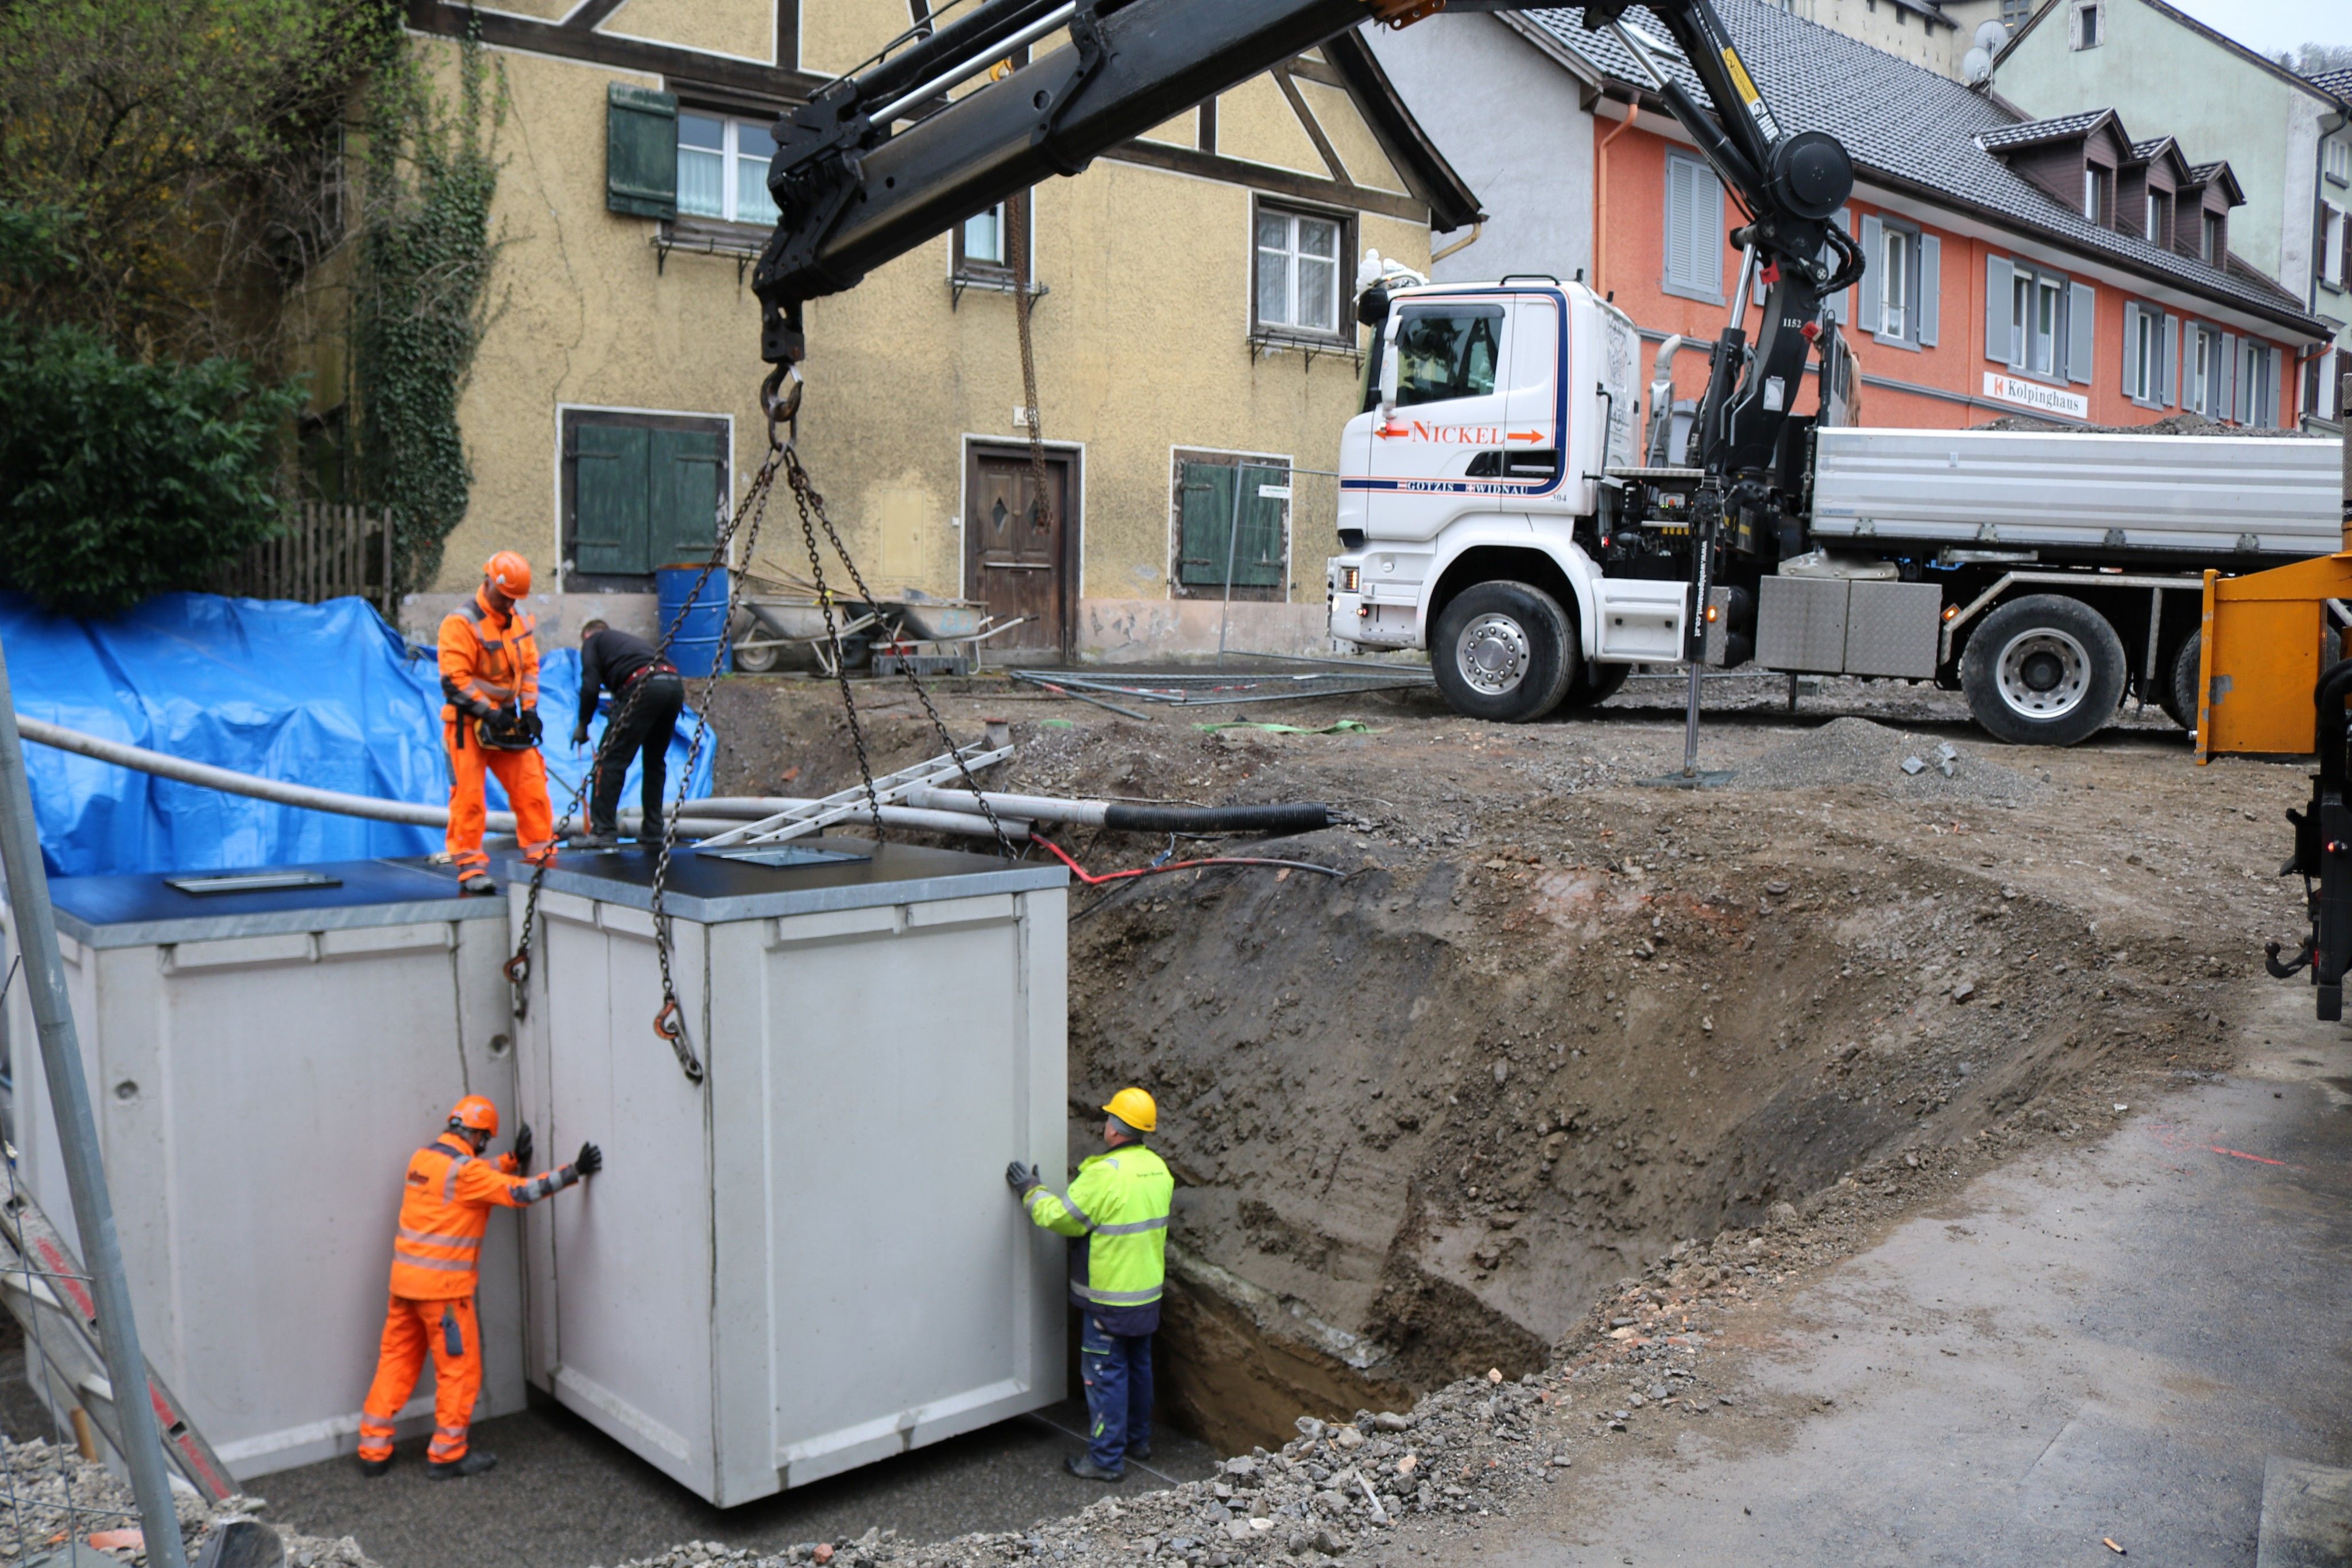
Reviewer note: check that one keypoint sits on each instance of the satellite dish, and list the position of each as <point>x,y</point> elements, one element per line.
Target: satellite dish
<point>1975,65</point>
<point>1992,35</point>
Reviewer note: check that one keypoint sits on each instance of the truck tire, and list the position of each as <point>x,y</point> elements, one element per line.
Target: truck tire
<point>1595,685</point>
<point>1505,652</point>
<point>2178,695</point>
<point>2044,670</point>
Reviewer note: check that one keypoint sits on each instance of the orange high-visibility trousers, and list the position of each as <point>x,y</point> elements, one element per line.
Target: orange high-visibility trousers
<point>411,1329</point>
<point>524,775</point>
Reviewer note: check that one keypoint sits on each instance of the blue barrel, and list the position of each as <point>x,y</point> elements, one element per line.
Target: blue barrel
<point>701,647</point>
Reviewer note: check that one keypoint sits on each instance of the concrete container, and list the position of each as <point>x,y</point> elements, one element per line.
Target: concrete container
<point>263,1064</point>
<point>810,1260</point>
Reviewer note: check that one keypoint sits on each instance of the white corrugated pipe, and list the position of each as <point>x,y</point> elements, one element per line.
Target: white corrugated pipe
<point>700,818</point>
<point>231,782</point>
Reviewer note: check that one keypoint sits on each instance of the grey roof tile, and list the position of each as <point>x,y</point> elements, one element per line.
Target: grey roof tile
<point>2338,83</point>
<point>1908,124</point>
<point>2028,133</point>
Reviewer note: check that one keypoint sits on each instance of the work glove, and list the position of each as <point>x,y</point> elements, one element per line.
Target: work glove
<point>531,728</point>
<point>579,736</point>
<point>522,1147</point>
<point>1022,1178</point>
<point>588,1161</point>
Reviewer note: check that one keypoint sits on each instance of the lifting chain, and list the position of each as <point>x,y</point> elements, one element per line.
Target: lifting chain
<point>1024,298</point>
<point>812,517</point>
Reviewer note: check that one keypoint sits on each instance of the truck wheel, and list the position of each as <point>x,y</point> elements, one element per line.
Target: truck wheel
<point>1503,651</point>
<point>2044,671</point>
<point>1595,685</point>
<point>2179,695</point>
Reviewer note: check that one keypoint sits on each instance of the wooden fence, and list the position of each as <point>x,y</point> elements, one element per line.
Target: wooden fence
<point>329,552</point>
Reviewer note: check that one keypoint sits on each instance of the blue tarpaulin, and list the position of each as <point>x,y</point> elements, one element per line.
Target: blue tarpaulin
<point>323,694</point>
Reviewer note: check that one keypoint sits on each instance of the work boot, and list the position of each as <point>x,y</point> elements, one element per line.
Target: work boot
<point>477,882</point>
<point>1139,1450</point>
<point>1086,1469</point>
<point>472,1464</point>
<point>373,1467</point>
<point>602,839</point>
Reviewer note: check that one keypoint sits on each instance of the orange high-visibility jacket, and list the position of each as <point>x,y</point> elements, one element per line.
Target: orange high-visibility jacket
<point>487,658</point>
<point>444,1209</point>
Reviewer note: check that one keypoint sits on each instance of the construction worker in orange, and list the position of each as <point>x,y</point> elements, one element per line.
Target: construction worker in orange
<point>443,1211</point>
<point>489,719</point>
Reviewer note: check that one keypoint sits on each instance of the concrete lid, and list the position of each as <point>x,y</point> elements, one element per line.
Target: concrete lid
<point>713,889</point>
<point>146,910</point>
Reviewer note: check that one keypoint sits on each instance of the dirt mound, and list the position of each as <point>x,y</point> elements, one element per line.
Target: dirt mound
<point>1857,751</point>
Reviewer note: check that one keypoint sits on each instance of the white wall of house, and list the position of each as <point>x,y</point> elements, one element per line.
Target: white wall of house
<point>1513,123</point>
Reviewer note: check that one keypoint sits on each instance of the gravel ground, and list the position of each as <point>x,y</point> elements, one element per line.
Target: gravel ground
<point>49,1497</point>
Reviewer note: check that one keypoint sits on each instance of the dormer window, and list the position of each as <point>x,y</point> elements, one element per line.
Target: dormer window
<point>2159,217</point>
<point>2098,193</point>
<point>2209,245</point>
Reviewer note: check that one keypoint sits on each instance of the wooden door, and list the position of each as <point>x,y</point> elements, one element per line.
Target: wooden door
<point>1016,553</point>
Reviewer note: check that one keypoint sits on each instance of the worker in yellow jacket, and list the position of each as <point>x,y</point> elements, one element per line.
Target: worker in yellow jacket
<point>1119,1203</point>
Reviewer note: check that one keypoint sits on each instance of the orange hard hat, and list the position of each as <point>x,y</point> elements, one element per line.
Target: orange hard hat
<point>508,573</point>
<point>476,1114</point>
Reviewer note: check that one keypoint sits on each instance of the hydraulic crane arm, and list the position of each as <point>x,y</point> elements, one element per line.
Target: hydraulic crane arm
<point>854,191</point>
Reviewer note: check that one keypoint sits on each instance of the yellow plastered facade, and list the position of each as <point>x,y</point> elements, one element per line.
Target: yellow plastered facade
<point>1143,345</point>
<point>744,32</point>
<point>1255,121</point>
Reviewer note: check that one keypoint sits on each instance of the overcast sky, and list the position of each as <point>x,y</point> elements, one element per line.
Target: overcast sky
<point>2270,26</point>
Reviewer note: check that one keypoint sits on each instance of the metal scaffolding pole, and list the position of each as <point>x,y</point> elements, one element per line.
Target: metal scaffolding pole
<point>102,1250</point>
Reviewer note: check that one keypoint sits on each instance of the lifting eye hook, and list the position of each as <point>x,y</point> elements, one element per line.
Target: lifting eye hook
<point>517,970</point>
<point>2285,971</point>
<point>779,395</point>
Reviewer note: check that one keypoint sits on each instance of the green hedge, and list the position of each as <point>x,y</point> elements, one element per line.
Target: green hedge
<point>121,480</point>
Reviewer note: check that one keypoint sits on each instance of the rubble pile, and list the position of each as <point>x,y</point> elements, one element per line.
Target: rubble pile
<point>1471,1450</point>
<point>50,1496</point>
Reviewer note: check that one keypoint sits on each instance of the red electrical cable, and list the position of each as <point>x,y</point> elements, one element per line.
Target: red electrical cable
<point>1092,880</point>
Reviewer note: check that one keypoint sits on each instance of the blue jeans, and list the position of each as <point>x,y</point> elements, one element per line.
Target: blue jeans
<point>1117,1373</point>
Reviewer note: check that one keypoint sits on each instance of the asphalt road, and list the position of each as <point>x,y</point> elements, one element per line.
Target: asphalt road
<point>2090,1345</point>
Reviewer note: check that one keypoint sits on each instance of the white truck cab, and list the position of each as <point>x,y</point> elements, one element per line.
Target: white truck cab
<point>1470,494</point>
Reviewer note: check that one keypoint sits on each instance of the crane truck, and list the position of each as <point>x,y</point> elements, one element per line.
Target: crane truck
<point>1498,506</point>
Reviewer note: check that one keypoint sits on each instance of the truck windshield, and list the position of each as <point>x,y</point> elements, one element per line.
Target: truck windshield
<point>1447,351</point>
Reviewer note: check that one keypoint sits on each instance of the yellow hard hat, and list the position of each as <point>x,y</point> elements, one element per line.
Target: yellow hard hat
<point>1135,1108</point>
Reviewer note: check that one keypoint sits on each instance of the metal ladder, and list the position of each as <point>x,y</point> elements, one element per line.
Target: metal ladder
<point>843,805</point>
<point>47,1289</point>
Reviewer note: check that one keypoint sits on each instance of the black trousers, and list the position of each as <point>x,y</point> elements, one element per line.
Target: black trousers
<point>643,717</point>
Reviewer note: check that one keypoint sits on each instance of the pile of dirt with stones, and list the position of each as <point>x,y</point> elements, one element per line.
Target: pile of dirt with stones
<point>1543,1022</point>
<point>50,1496</point>
<point>1857,751</point>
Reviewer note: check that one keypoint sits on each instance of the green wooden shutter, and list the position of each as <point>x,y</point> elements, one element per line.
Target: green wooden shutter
<point>1258,555</point>
<point>689,469</point>
<point>640,152</point>
<point>609,531</point>
<point>1204,516</point>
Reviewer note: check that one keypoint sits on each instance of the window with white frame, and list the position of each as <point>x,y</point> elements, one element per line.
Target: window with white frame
<point>2206,373</point>
<point>1694,238</point>
<point>722,168</point>
<point>2339,161</point>
<point>1298,271</point>
<point>2038,322</point>
<point>2331,251</point>
<point>1897,268</point>
<point>2257,399</point>
<point>984,246</point>
<point>2159,229</point>
<point>2098,193</point>
<point>2148,338</point>
<point>2210,246</point>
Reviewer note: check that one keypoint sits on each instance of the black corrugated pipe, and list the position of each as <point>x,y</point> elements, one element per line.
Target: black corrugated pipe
<point>1122,817</point>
